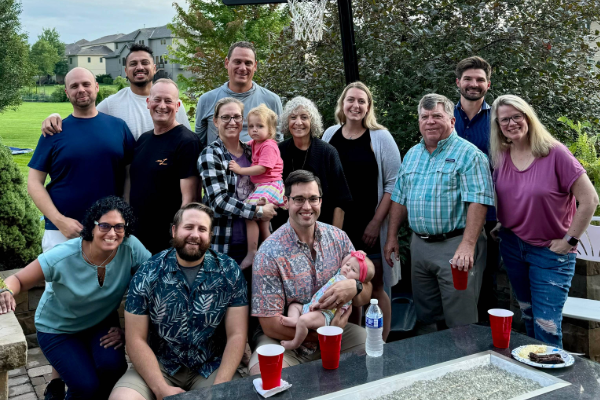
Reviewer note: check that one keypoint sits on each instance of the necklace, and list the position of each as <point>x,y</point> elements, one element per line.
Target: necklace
<point>352,136</point>
<point>90,262</point>
<point>305,157</point>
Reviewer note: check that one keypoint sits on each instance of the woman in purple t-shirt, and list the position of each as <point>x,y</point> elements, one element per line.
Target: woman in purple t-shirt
<point>538,182</point>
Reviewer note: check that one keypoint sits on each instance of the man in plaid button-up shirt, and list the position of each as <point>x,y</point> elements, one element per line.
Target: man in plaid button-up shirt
<point>443,188</point>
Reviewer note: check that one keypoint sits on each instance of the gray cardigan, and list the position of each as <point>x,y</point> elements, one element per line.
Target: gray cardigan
<point>388,164</point>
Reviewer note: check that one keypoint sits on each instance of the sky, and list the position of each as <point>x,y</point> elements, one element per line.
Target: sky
<point>85,19</point>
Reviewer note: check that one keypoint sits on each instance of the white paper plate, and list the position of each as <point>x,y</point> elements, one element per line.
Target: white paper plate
<point>569,359</point>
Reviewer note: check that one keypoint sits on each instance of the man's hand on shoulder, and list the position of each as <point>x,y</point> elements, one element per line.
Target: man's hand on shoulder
<point>52,125</point>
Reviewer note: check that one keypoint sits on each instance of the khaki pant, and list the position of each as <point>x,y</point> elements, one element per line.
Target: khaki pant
<point>353,339</point>
<point>184,378</point>
<point>433,288</point>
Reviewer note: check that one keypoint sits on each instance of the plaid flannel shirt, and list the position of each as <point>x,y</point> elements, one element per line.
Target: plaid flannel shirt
<point>219,192</point>
<point>437,188</point>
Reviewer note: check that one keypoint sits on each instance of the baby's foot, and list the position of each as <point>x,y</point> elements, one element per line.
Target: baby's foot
<point>289,345</point>
<point>287,321</point>
<point>248,260</point>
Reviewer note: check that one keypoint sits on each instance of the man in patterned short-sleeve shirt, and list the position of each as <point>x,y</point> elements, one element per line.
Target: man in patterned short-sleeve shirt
<point>443,188</point>
<point>176,304</point>
<point>293,264</point>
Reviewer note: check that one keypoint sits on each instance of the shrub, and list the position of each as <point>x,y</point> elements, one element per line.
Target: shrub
<point>104,93</point>
<point>59,95</point>
<point>20,225</point>
<point>100,78</point>
<point>107,80</point>
<point>120,82</point>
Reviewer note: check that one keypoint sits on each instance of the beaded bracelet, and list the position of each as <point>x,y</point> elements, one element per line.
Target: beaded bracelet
<point>4,288</point>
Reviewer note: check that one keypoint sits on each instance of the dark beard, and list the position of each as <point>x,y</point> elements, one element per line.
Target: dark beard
<point>187,255</point>
<point>463,93</point>
<point>142,84</point>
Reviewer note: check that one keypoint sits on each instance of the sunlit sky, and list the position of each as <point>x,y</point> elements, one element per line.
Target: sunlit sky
<point>85,19</point>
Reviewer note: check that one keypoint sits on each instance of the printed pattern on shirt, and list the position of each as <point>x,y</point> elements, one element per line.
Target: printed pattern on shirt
<point>436,188</point>
<point>284,271</point>
<point>219,189</point>
<point>185,323</point>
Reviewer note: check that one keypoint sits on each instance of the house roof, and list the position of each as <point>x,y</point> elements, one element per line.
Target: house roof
<point>92,51</point>
<point>105,39</point>
<point>158,32</point>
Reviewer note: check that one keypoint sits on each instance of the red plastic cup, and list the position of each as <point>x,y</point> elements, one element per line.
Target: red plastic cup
<point>330,341</point>
<point>501,323</point>
<point>270,359</point>
<point>459,278</point>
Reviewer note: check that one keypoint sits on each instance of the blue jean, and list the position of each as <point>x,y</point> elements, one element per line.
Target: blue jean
<point>89,370</point>
<point>541,280</point>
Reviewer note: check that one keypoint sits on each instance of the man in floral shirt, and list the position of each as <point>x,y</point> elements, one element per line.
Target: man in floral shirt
<point>175,306</point>
<point>293,263</point>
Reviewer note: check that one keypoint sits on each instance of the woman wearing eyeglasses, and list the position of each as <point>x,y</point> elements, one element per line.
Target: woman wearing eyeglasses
<point>76,320</point>
<point>224,190</point>
<point>538,182</point>
<point>304,150</point>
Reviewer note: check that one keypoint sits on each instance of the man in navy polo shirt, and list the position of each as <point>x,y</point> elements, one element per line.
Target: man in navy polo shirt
<point>473,116</point>
<point>85,163</point>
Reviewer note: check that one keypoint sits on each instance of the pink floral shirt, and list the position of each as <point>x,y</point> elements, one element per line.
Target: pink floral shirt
<point>284,271</point>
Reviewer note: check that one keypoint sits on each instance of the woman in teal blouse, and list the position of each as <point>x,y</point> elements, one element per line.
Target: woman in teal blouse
<point>74,318</point>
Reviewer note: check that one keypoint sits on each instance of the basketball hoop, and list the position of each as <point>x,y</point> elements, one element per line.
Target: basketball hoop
<point>308,19</point>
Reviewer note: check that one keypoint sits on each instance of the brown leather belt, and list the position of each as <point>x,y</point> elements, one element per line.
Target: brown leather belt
<point>442,237</point>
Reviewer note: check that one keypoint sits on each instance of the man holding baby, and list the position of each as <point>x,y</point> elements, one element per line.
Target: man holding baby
<point>293,264</point>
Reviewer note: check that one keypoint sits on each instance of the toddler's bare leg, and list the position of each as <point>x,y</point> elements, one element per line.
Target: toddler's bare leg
<point>311,320</point>
<point>294,312</point>
<point>252,237</point>
<point>263,226</point>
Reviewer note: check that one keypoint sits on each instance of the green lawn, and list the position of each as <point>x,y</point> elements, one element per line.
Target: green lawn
<point>51,88</point>
<point>22,128</point>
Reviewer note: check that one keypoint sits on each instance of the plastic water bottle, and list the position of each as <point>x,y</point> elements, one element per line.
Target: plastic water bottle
<point>374,325</point>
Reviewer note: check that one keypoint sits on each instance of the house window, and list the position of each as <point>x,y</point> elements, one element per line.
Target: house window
<point>157,59</point>
<point>123,61</point>
<point>89,59</point>
<point>165,58</point>
<point>141,42</point>
<point>100,60</point>
<point>70,60</point>
<point>116,45</point>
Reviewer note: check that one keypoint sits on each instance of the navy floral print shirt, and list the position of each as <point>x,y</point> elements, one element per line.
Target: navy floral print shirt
<point>185,322</point>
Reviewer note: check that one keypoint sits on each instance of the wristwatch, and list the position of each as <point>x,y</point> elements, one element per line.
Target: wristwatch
<point>359,287</point>
<point>572,240</point>
<point>259,213</point>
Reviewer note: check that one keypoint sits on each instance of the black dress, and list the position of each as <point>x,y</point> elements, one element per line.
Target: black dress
<point>322,160</point>
<point>360,168</point>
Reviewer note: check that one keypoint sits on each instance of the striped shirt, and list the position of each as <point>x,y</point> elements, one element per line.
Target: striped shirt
<point>436,188</point>
<point>219,192</point>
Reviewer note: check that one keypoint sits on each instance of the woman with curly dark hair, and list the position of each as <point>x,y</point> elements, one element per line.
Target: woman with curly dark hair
<point>75,319</point>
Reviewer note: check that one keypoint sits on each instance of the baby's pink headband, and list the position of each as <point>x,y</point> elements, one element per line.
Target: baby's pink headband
<point>362,263</point>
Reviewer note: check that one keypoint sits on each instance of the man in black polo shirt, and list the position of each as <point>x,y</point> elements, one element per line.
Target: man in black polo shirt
<point>163,176</point>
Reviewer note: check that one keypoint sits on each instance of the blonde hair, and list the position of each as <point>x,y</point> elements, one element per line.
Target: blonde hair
<point>227,100</point>
<point>369,121</point>
<point>540,140</point>
<point>267,116</point>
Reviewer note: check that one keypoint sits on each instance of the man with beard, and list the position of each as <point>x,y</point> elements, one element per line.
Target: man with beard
<point>129,103</point>
<point>163,176</point>
<point>86,162</point>
<point>473,116</point>
<point>241,64</point>
<point>176,337</point>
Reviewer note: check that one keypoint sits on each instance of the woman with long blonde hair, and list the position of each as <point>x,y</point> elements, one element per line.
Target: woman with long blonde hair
<point>538,182</point>
<point>371,160</point>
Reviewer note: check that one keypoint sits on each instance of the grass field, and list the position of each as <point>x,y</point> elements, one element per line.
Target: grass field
<point>51,88</point>
<point>22,128</point>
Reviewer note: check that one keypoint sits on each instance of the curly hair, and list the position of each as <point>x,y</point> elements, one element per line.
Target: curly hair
<point>316,122</point>
<point>103,206</point>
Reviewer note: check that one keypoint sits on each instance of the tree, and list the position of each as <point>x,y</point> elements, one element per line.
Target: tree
<point>207,30</point>
<point>20,226</point>
<point>15,69</point>
<point>43,57</point>
<point>53,37</point>
<point>539,50</point>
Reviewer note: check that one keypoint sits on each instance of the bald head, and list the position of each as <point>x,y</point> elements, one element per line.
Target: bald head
<point>79,72</point>
<point>163,104</point>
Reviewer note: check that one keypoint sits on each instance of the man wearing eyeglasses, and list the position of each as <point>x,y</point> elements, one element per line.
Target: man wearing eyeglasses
<point>85,163</point>
<point>473,116</point>
<point>444,187</point>
<point>241,64</point>
<point>293,263</point>
<point>162,176</point>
